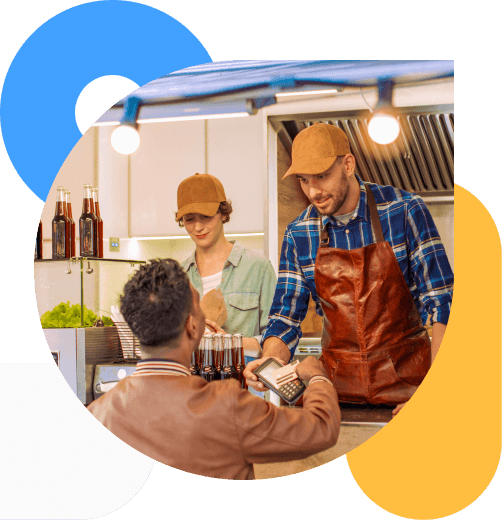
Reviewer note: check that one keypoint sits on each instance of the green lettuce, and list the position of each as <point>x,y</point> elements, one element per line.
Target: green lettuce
<point>65,315</point>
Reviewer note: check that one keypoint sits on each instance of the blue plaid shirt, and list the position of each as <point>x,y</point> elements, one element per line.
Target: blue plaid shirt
<point>406,224</point>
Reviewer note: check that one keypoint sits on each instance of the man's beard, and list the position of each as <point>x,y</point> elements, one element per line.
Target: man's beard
<point>337,199</point>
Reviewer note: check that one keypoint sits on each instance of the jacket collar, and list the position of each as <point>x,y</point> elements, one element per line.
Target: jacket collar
<point>165,367</point>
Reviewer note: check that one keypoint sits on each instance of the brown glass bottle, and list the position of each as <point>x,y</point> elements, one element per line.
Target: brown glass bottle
<point>199,354</point>
<point>238,357</point>
<point>228,369</point>
<point>100,221</point>
<point>194,370</point>
<point>69,213</point>
<point>39,253</point>
<point>217,354</point>
<point>88,226</point>
<point>60,228</point>
<point>207,365</point>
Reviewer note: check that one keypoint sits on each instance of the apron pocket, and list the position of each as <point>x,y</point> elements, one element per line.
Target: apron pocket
<point>386,387</point>
<point>412,360</point>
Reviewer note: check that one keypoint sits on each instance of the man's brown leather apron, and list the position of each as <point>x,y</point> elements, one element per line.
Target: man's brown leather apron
<point>375,348</point>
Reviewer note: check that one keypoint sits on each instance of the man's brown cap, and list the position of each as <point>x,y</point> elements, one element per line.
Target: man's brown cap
<point>316,148</point>
<point>200,194</point>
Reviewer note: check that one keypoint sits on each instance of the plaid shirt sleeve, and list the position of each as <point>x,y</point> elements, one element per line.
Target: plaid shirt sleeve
<point>291,298</point>
<point>428,261</point>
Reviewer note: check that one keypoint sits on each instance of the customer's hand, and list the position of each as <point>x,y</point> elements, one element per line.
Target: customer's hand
<point>309,368</point>
<point>252,379</point>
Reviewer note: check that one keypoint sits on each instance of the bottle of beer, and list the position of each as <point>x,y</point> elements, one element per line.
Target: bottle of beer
<point>100,221</point>
<point>60,228</point>
<point>69,214</point>
<point>193,365</point>
<point>228,369</point>
<point>207,365</point>
<point>218,354</point>
<point>88,226</point>
<point>238,355</point>
<point>199,355</point>
<point>39,254</point>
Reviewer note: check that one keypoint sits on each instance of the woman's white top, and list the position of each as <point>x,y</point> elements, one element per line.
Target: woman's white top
<point>211,282</point>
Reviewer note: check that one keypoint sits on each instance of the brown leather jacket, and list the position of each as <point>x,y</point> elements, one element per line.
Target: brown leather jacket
<point>216,429</point>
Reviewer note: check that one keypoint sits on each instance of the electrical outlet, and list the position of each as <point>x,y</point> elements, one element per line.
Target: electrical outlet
<point>114,244</point>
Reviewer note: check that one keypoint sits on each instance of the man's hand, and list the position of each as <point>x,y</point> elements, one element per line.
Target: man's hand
<point>398,408</point>
<point>272,347</point>
<point>306,370</point>
<point>309,368</point>
<point>252,379</point>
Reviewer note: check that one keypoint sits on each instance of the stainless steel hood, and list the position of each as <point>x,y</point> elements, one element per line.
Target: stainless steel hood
<point>419,161</point>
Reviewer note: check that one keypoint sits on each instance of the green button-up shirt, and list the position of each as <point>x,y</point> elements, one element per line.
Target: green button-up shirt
<point>248,285</point>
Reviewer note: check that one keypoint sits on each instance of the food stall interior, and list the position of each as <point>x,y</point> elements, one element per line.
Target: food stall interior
<point>237,121</point>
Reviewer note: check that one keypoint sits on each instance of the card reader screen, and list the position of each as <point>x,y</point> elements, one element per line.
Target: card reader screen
<point>268,371</point>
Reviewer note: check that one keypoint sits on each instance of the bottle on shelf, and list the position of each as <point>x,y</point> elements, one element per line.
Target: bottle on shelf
<point>69,213</point>
<point>60,228</point>
<point>88,226</point>
<point>100,221</point>
<point>39,253</point>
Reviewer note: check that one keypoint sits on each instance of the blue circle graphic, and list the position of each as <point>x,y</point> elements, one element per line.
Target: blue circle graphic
<point>37,105</point>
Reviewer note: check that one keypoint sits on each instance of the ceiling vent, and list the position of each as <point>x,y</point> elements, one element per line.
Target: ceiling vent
<point>420,160</point>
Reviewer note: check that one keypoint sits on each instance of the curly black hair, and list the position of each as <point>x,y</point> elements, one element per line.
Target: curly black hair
<point>157,301</point>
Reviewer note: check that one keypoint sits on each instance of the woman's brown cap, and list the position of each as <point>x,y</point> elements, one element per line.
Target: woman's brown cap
<point>200,194</point>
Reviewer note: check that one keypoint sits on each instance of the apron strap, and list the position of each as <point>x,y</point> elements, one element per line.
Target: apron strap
<point>374,219</point>
<point>323,233</point>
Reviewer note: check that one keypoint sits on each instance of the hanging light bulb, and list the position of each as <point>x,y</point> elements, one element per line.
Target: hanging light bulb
<point>383,126</point>
<point>125,138</point>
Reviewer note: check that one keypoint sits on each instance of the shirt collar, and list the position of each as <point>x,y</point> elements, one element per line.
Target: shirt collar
<point>234,256</point>
<point>160,367</point>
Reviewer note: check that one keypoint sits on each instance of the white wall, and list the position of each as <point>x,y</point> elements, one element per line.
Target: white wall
<point>138,195</point>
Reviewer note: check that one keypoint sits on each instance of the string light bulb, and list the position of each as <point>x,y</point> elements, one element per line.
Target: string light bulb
<point>125,138</point>
<point>383,127</point>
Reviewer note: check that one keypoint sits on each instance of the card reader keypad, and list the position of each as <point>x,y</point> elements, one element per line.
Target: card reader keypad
<point>290,389</point>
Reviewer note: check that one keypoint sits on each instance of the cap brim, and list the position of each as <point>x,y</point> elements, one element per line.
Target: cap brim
<point>209,209</point>
<point>310,167</point>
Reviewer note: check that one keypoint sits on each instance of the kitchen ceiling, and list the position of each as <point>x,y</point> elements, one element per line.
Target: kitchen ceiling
<point>420,160</point>
<point>258,82</point>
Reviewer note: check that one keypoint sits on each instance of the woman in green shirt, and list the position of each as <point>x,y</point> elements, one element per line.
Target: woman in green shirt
<point>247,280</point>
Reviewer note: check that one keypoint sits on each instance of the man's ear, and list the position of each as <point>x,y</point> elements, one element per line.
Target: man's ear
<point>349,161</point>
<point>191,327</point>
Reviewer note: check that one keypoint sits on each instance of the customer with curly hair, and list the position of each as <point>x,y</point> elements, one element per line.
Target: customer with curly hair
<point>213,429</point>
